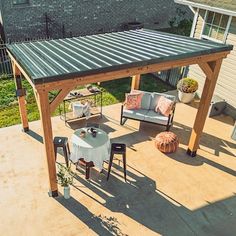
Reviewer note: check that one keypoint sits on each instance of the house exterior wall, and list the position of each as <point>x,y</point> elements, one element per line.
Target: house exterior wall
<point>83,16</point>
<point>226,84</point>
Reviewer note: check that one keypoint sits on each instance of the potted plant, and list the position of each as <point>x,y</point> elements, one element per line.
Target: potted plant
<point>187,88</point>
<point>65,178</point>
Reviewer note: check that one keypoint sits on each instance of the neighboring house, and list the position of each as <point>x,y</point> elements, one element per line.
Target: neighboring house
<point>216,21</point>
<point>27,19</point>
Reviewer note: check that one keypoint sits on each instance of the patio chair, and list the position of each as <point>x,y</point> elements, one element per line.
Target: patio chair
<point>117,148</point>
<point>62,142</point>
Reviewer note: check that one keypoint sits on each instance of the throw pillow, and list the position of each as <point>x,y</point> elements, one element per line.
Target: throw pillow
<point>164,106</point>
<point>133,101</point>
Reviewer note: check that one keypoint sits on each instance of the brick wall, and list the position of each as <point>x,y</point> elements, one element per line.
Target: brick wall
<point>81,17</point>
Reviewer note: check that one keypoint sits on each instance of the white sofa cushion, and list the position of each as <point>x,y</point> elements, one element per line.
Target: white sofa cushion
<point>135,114</point>
<point>152,116</point>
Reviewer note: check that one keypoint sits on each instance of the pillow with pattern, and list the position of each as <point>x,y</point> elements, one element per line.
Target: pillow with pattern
<point>133,101</point>
<point>164,106</point>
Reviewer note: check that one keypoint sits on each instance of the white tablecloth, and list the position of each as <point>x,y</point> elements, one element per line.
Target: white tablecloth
<point>95,149</point>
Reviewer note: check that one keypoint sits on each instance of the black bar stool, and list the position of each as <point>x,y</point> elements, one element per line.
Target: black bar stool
<point>62,142</point>
<point>117,148</point>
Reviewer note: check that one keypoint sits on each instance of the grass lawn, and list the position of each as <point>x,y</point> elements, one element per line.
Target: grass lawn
<point>113,92</point>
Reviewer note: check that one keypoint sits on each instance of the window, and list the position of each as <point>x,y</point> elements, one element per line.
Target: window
<point>18,2</point>
<point>215,26</point>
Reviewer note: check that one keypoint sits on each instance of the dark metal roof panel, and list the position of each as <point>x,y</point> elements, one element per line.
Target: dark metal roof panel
<point>52,60</point>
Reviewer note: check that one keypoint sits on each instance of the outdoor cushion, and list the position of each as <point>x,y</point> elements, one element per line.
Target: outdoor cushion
<point>133,100</point>
<point>155,98</point>
<point>164,106</point>
<point>135,114</point>
<point>152,116</point>
<point>146,99</point>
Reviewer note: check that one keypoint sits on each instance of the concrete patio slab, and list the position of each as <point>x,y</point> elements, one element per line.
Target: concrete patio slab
<point>170,194</point>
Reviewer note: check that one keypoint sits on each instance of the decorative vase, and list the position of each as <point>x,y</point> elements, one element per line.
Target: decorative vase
<point>67,192</point>
<point>186,97</point>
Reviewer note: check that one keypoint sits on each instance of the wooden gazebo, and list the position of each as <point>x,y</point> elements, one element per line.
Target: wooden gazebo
<point>63,64</point>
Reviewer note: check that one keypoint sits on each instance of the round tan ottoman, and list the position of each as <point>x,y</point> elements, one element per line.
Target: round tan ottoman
<point>167,142</point>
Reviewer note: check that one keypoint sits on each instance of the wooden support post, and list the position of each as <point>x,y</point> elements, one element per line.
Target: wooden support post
<point>135,82</point>
<point>212,72</point>
<point>48,141</point>
<point>20,92</point>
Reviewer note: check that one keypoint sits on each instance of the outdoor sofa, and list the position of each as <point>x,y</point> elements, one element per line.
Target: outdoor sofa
<point>147,112</point>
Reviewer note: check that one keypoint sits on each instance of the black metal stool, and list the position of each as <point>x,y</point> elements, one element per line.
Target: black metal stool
<point>117,148</point>
<point>62,142</point>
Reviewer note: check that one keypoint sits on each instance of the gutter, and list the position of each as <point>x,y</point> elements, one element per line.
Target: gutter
<point>206,7</point>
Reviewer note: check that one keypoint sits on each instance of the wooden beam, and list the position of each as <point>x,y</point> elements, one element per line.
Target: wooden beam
<point>208,90</point>
<point>36,98</point>
<point>135,82</point>
<point>206,69</point>
<point>20,68</point>
<point>59,98</point>
<point>60,84</point>
<point>21,98</point>
<point>48,141</point>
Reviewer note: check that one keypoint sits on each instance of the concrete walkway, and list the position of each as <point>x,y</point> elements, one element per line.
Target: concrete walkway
<point>165,194</point>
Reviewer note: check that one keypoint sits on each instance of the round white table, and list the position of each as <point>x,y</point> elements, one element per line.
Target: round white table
<point>95,149</point>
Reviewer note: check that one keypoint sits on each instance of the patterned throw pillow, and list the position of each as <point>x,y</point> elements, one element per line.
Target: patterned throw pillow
<point>164,106</point>
<point>133,101</point>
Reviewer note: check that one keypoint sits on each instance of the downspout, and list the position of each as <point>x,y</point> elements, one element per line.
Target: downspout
<point>196,14</point>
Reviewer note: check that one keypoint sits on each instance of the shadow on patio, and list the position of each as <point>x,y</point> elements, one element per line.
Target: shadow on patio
<point>165,194</point>
<point>140,200</point>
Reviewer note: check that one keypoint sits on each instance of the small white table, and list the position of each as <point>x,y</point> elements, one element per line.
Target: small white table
<point>95,149</point>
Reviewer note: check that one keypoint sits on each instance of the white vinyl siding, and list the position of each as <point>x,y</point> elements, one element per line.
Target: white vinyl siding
<point>226,84</point>
<point>199,25</point>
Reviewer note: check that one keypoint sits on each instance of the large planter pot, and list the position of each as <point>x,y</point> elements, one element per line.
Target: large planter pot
<point>186,97</point>
<point>67,192</point>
